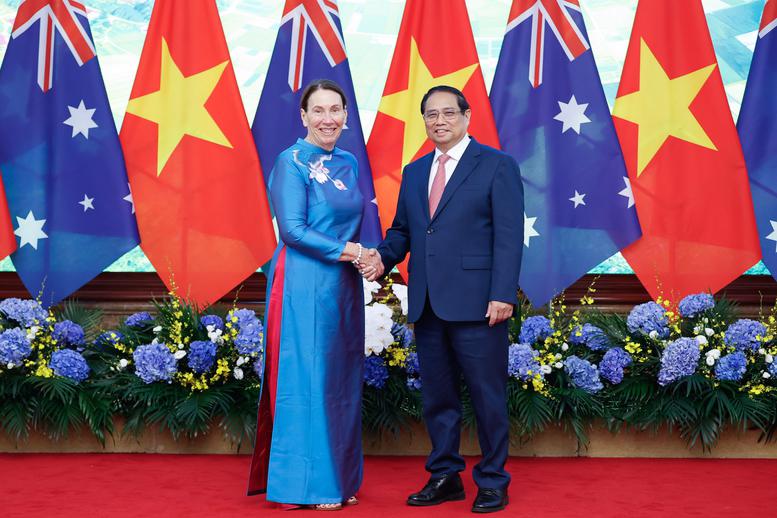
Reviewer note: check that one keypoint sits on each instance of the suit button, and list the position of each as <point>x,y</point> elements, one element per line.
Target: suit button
<point>429,230</point>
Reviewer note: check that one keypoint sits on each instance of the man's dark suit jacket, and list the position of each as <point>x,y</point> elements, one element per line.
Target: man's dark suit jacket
<point>469,253</point>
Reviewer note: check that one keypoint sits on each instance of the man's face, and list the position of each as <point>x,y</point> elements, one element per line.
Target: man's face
<point>446,125</point>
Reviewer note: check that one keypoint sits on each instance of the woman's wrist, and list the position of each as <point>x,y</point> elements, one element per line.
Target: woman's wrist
<point>351,251</point>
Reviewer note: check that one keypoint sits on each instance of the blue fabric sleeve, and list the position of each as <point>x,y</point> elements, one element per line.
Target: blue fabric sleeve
<point>288,192</point>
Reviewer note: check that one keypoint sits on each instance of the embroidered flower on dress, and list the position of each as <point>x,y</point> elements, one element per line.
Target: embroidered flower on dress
<point>320,173</point>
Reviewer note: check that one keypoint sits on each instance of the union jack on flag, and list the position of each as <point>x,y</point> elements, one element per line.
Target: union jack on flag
<point>554,14</point>
<point>54,16</point>
<point>769,18</point>
<point>318,17</point>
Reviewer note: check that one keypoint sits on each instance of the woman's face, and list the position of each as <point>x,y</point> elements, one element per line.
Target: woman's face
<point>324,118</point>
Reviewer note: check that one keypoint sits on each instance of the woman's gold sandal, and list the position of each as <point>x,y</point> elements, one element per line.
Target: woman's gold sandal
<point>328,507</point>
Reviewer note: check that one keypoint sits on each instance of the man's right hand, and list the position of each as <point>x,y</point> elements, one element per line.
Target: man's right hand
<point>371,266</point>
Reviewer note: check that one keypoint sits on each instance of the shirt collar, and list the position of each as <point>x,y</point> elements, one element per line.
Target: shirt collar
<point>456,151</point>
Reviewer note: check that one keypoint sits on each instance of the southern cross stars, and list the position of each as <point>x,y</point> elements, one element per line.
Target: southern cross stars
<point>578,199</point>
<point>572,115</point>
<point>773,235</point>
<point>627,192</point>
<point>87,203</point>
<point>30,230</point>
<point>528,229</point>
<point>81,120</point>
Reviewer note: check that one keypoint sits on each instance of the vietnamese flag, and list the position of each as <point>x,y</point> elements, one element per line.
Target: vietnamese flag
<point>683,156</point>
<point>434,47</point>
<point>196,183</point>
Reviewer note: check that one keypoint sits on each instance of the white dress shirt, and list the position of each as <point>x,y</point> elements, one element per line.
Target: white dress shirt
<point>455,155</point>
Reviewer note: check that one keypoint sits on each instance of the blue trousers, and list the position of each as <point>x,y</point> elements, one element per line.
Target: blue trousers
<point>446,352</point>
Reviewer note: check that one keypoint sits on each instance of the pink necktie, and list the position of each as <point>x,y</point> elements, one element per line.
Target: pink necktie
<point>438,184</point>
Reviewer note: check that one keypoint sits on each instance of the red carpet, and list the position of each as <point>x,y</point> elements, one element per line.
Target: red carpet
<point>112,485</point>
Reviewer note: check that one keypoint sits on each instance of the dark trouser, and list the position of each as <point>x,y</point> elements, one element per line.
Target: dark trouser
<point>446,351</point>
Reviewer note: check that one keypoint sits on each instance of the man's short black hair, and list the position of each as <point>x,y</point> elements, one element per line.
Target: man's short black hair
<point>460,99</point>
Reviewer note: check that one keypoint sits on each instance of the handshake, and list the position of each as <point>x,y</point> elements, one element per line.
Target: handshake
<point>368,262</point>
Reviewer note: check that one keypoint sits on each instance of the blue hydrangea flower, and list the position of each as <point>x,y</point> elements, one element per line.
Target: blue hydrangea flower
<point>731,367</point>
<point>584,374</point>
<point>26,312</point>
<point>68,333</point>
<point>679,359</point>
<point>590,336</point>
<point>612,365</point>
<point>212,320</point>
<point>693,305</point>
<point>69,364</point>
<point>375,371</point>
<point>411,364</point>
<point>249,331</point>
<point>259,366</point>
<point>110,338</point>
<point>743,335</point>
<point>201,355</point>
<point>414,383</point>
<point>14,347</point>
<point>140,319</point>
<point>648,317</point>
<point>773,369</point>
<point>522,362</point>
<point>534,329</point>
<point>402,334</point>
<point>154,362</point>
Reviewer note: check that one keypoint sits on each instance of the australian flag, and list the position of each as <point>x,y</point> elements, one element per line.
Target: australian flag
<point>310,46</point>
<point>552,117</point>
<point>60,157</point>
<point>757,126</point>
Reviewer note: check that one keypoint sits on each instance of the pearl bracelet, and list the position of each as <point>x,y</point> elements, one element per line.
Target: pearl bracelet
<point>359,255</point>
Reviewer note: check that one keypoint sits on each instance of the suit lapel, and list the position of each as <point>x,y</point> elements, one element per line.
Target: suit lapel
<point>463,169</point>
<point>425,163</point>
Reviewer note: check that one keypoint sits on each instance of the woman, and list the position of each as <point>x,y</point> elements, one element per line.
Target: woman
<point>308,444</point>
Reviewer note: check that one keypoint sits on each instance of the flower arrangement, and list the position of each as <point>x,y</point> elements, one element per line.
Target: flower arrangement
<point>695,367</point>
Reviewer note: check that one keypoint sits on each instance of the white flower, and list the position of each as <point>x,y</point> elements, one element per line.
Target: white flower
<point>564,346</point>
<point>238,373</point>
<point>240,361</point>
<point>377,328</point>
<point>558,365</point>
<point>369,289</point>
<point>701,339</point>
<point>761,351</point>
<point>179,354</point>
<point>9,365</point>
<point>558,356</point>
<point>157,329</point>
<point>32,332</point>
<point>710,361</point>
<point>546,369</point>
<point>123,363</point>
<point>705,320</point>
<point>769,358</point>
<point>766,375</point>
<point>708,331</point>
<point>400,290</point>
<point>653,334</point>
<point>713,353</point>
<point>180,346</point>
<point>210,328</point>
<point>155,341</point>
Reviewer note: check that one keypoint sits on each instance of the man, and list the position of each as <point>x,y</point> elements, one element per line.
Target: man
<point>460,215</point>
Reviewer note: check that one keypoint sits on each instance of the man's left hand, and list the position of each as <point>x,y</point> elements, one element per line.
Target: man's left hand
<point>498,312</point>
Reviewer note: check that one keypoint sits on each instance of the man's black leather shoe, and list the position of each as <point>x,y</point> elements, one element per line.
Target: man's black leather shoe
<point>438,490</point>
<point>490,500</point>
